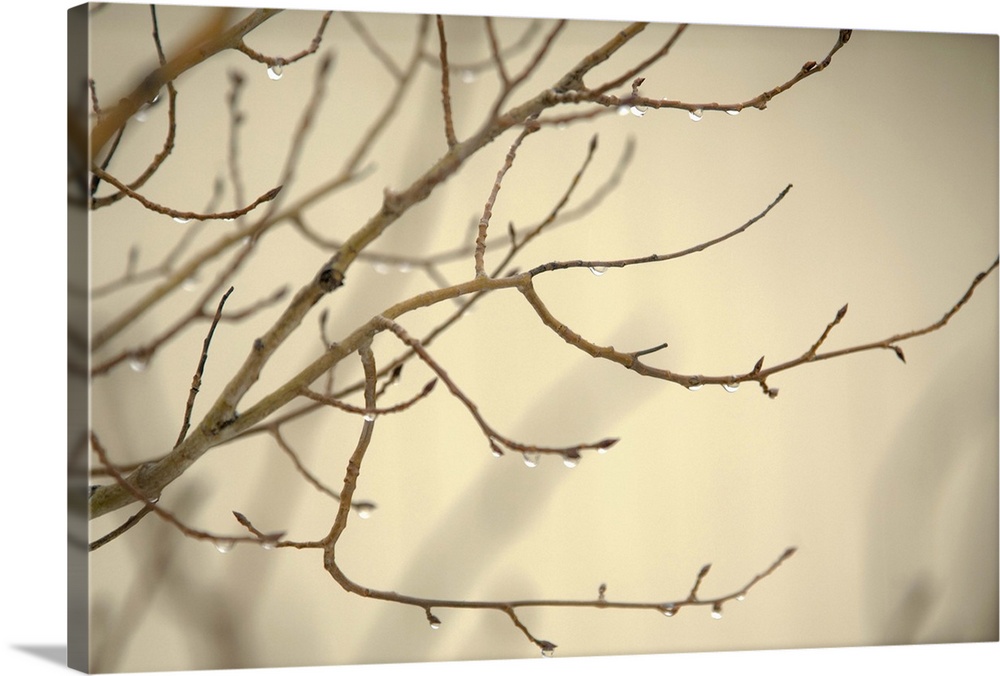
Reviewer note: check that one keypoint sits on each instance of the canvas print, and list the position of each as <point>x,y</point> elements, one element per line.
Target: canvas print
<point>408,338</point>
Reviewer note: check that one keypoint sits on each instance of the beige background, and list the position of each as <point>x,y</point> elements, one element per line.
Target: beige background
<point>884,475</point>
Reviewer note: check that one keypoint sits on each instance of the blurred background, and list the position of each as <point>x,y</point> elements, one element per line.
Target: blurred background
<point>883,474</point>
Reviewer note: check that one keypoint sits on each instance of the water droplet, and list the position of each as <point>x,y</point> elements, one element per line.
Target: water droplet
<point>138,361</point>
<point>571,460</point>
<point>434,621</point>
<point>695,385</point>
<point>190,284</point>
<point>364,509</point>
<point>142,114</point>
<point>548,648</point>
<point>369,416</point>
<point>224,546</point>
<point>274,72</point>
<point>497,453</point>
<point>730,387</point>
<point>380,267</point>
<point>741,597</point>
<point>598,270</point>
<point>669,610</point>
<point>181,220</point>
<point>548,652</point>
<point>733,112</point>
<point>268,545</point>
<point>623,110</point>
<point>404,267</point>
<point>717,611</point>
<point>696,114</point>
<point>468,76</point>
<point>531,459</point>
<point>638,111</point>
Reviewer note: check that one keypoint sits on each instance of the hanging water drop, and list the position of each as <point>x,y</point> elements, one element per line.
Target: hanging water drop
<point>181,220</point>
<point>268,545</point>
<point>138,361</point>
<point>623,110</point>
<point>695,114</point>
<point>380,267</point>
<point>598,270</point>
<point>717,611</point>
<point>531,459</point>
<point>548,648</point>
<point>571,460</point>
<point>741,597</point>
<point>433,620</point>
<point>548,652</point>
<point>369,416</point>
<point>468,76</point>
<point>274,72</point>
<point>730,387</point>
<point>364,509</point>
<point>404,267</point>
<point>695,385</point>
<point>734,112</point>
<point>669,610</point>
<point>638,111</point>
<point>224,546</point>
<point>190,283</point>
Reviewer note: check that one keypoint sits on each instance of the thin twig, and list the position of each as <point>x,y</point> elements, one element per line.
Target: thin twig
<point>196,380</point>
<point>449,124</point>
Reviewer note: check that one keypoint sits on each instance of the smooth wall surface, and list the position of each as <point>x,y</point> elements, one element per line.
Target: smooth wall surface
<point>883,474</point>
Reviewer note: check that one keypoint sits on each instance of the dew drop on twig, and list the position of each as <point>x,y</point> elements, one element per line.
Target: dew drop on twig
<point>224,546</point>
<point>369,416</point>
<point>468,76</point>
<point>696,114</point>
<point>571,461</point>
<point>623,110</point>
<point>734,112</point>
<point>138,362</point>
<point>694,387</point>
<point>181,220</point>
<point>669,610</point>
<point>717,611</point>
<point>364,509</point>
<point>274,72</point>
<point>531,459</point>
<point>598,270</point>
<point>638,111</point>
<point>380,267</point>
<point>730,387</point>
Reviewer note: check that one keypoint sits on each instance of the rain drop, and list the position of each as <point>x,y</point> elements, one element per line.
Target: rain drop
<point>695,114</point>
<point>571,460</point>
<point>274,72</point>
<point>138,362</point>
<point>734,112</point>
<point>695,386</point>
<point>468,76</point>
<point>531,459</point>
<point>730,387</point>
<point>224,546</point>
<point>369,416</point>
<point>404,267</point>
<point>741,597</point>
<point>497,453</point>
<point>623,110</point>
<point>598,270</point>
<point>364,509</point>
<point>669,610</point>
<point>638,111</point>
<point>434,621</point>
<point>717,611</point>
<point>380,267</point>
<point>190,284</point>
<point>548,652</point>
<point>268,545</point>
<point>181,220</point>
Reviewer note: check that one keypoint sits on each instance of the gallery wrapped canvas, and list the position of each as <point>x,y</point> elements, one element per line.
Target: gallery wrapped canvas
<point>406,338</point>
